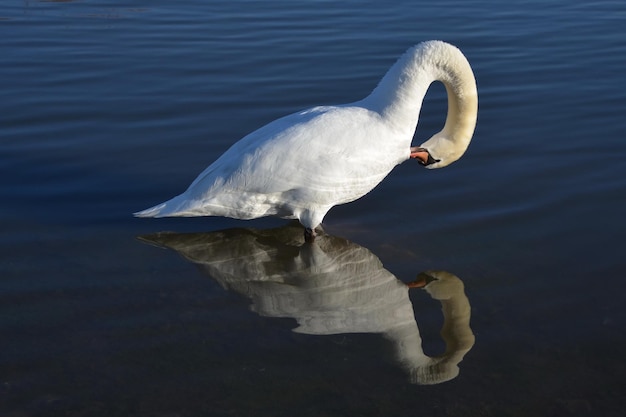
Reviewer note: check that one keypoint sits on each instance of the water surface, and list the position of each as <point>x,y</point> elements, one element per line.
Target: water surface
<point>108,108</point>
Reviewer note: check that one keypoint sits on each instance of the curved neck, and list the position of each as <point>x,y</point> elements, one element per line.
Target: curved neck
<point>399,95</point>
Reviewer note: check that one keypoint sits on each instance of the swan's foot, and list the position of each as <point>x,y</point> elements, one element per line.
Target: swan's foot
<point>309,235</point>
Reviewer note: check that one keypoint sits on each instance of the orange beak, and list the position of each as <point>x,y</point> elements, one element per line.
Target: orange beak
<point>418,283</point>
<point>422,155</point>
<point>422,280</point>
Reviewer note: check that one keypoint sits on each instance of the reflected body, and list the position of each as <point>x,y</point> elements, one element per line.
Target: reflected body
<point>330,287</point>
<point>301,165</point>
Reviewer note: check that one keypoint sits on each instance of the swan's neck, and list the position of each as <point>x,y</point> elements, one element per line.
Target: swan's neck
<point>399,96</point>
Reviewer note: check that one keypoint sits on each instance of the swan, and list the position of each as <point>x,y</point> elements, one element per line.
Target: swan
<point>303,164</point>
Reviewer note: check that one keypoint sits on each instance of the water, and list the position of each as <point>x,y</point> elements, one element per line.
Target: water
<point>107,108</point>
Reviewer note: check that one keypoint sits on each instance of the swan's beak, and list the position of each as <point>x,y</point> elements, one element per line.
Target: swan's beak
<point>422,280</point>
<point>423,156</point>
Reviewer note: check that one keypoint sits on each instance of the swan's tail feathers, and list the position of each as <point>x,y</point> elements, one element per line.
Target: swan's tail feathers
<point>155,211</point>
<point>176,207</point>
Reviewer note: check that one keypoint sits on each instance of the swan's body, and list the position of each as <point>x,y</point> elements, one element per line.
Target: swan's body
<point>303,164</point>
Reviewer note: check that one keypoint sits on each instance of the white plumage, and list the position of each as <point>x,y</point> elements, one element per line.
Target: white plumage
<point>301,165</point>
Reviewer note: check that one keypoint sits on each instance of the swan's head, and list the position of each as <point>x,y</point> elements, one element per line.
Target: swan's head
<point>443,149</point>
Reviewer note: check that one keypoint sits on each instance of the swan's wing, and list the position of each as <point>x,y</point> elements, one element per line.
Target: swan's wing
<point>336,153</point>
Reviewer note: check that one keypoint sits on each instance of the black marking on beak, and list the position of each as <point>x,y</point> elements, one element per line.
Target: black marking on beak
<point>430,160</point>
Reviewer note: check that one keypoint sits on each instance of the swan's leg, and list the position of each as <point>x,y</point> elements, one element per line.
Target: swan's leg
<point>311,219</point>
<point>309,234</point>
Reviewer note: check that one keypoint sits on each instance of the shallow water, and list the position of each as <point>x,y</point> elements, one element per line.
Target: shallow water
<point>108,108</point>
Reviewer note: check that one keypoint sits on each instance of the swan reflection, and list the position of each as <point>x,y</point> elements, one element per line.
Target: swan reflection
<point>331,286</point>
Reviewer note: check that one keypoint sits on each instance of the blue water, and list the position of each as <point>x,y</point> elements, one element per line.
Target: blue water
<point>107,108</point>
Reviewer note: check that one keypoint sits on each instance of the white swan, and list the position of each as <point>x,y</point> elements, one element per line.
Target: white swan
<point>301,165</point>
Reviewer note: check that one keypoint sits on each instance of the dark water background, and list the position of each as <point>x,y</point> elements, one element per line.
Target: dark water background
<point>107,108</point>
